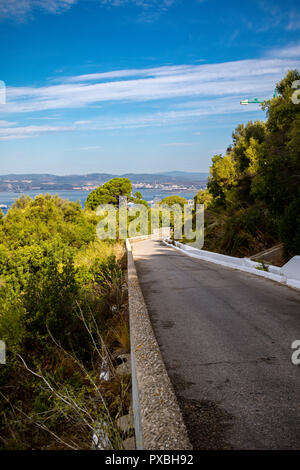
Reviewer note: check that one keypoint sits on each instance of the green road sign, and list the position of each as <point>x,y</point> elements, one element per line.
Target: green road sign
<point>256,100</point>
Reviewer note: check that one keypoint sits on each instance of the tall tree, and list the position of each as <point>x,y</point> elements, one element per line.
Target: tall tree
<point>109,193</point>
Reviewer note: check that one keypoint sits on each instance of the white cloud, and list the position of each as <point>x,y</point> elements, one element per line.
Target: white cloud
<point>177,144</point>
<point>293,50</point>
<point>195,111</point>
<point>293,21</point>
<point>6,123</point>
<point>146,4</point>
<point>293,25</point>
<point>82,123</point>
<point>181,113</point>
<point>239,78</point>
<point>150,10</point>
<point>13,133</point>
<point>90,148</point>
<point>181,93</point>
<point>21,8</point>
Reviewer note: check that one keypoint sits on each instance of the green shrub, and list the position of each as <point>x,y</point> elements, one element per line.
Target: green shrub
<point>290,229</point>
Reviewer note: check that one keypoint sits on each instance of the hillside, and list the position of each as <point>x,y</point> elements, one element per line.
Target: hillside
<point>27,182</point>
<point>253,195</point>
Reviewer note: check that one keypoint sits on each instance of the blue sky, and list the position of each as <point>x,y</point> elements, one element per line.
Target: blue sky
<point>135,85</point>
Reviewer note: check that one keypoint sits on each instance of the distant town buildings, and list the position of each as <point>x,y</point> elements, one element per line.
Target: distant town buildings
<point>177,183</point>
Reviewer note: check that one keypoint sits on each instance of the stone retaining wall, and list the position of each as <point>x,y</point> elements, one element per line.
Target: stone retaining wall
<point>157,417</point>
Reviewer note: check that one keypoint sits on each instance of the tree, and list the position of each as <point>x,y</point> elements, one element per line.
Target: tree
<point>279,163</point>
<point>255,185</point>
<point>290,228</point>
<point>171,200</point>
<point>223,176</point>
<point>138,195</point>
<point>281,111</point>
<point>203,197</point>
<point>137,198</point>
<point>109,193</point>
<point>242,137</point>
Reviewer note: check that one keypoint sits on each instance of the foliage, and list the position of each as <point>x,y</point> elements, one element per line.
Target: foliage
<point>172,200</point>
<point>109,193</point>
<point>252,196</point>
<point>290,228</point>
<point>262,267</point>
<point>138,195</point>
<point>54,273</point>
<point>222,177</point>
<point>204,197</point>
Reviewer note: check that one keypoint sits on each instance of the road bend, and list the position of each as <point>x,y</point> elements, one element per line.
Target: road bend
<point>225,337</point>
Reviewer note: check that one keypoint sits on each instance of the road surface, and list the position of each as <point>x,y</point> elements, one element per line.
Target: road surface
<point>225,337</point>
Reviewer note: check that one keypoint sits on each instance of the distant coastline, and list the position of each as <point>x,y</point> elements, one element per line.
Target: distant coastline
<point>170,181</point>
<point>7,198</point>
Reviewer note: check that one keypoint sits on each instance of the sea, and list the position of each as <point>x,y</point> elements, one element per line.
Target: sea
<point>150,195</point>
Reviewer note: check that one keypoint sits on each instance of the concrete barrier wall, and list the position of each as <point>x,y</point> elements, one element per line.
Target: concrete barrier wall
<point>291,269</point>
<point>289,274</point>
<point>157,417</point>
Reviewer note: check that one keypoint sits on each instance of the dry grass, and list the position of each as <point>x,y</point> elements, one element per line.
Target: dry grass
<point>99,250</point>
<point>121,333</point>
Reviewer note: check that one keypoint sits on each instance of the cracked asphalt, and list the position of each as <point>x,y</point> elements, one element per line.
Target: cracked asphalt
<point>225,337</point>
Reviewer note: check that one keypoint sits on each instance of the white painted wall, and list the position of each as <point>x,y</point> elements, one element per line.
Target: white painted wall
<point>291,270</point>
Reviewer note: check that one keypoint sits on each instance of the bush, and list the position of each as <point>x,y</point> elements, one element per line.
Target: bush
<point>60,288</point>
<point>290,229</point>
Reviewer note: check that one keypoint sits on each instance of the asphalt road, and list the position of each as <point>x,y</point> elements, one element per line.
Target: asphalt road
<point>225,337</point>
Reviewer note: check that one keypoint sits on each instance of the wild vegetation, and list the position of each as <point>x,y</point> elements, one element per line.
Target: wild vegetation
<point>63,314</point>
<point>253,196</point>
